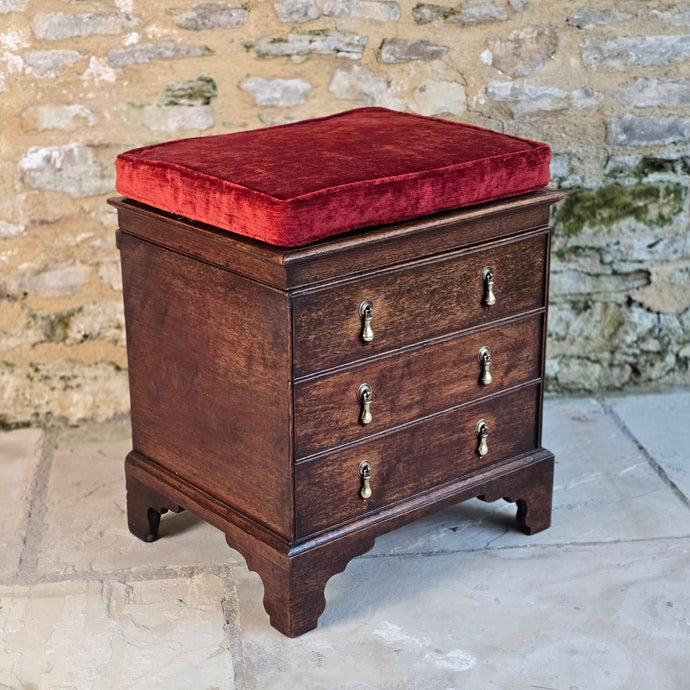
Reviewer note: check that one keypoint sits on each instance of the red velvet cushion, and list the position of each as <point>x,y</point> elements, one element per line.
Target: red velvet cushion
<point>296,183</point>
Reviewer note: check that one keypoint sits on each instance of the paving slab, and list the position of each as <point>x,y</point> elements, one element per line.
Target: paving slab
<point>20,454</point>
<point>604,616</point>
<point>86,523</point>
<point>114,635</point>
<point>661,423</point>
<point>604,490</point>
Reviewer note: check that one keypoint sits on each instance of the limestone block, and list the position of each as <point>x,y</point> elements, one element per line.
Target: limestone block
<point>197,91</point>
<point>171,118</point>
<point>100,320</point>
<point>576,373</point>
<point>277,92</point>
<point>297,10</point>
<point>596,217</point>
<point>299,46</point>
<point>651,92</point>
<point>7,6</point>
<point>72,168</point>
<point>669,289</point>
<point>68,390</point>
<point>439,98</point>
<point>480,12</point>
<point>563,171</point>
<point>627,52</point>
<point>356,83</point>
<point>212,15</point>
<point>49,64</point>
<point>401,50</point>
<point>363,9</point>
<point>57,26</point>
<point>588,18</point>
<point>468,13</point>
<point>147,52</point>
<point>574,282</point>
<point>99,70</point>
<point>527,98</point>
<point>678,16</point>
<point>110,273</point>
<point>54,116</point>
<point>630,130</point>
<point>10,230</point>
<point>425,13</point>
<point>524,52</point>
<point>20,455</point>
<point>57,281</point>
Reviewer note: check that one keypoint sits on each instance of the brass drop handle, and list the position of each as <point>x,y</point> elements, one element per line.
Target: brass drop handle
<point>366,313</point>
<point>488,280</point>
<point>485,362</point>
<point>482,435</point>
<point>364,395</point>
<point>364,472</point>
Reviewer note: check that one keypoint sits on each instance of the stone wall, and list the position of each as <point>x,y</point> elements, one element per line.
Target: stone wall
<point>606,84</point>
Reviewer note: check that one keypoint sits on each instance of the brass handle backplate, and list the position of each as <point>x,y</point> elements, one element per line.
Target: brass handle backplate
<point>364,395</point>
<point>484,358</point>
<point>366,313</point>
<point>482,435</point>
<point>488,280</point>
<point>364,472</point>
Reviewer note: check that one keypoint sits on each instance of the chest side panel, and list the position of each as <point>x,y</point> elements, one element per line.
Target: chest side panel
<point>209,359</point>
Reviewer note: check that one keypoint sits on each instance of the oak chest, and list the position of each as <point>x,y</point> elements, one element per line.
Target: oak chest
<point>307,400</point>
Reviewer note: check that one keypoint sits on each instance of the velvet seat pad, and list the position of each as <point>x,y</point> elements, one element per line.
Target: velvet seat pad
<point>293,184</point>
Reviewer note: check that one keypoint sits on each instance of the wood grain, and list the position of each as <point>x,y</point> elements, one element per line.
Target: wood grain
<point>414,383</point>
<point>209,361</point>
<point>415,303</point>
<point>412,459</point>
<point>358,251</point>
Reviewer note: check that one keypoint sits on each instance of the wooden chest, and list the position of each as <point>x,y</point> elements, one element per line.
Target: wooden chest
<point>305,401</point>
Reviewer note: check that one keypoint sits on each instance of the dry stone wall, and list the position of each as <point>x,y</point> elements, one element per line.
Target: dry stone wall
<point>606,84</point>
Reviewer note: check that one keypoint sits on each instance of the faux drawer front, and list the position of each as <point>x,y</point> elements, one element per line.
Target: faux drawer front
<point>415,303</point>
<point>413,459</point>
<point>414,384</point>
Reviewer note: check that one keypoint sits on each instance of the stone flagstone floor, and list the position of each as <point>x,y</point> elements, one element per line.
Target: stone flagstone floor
<point>459,600</point>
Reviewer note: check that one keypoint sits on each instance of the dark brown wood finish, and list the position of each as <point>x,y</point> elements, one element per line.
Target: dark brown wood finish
<point>244,361</point>
<point>413,384</point>
<point>416,302</point>
<point>359,251</point>
<point>412,459</point>
<point>209,381</point>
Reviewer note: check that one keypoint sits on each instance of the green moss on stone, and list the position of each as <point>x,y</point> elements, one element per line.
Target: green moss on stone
<point>423,12</point>
<point>57,326</point>
<point>649,166</point>
<point>197,91</point>
<point>650,204</point>
<point>7,425</point>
